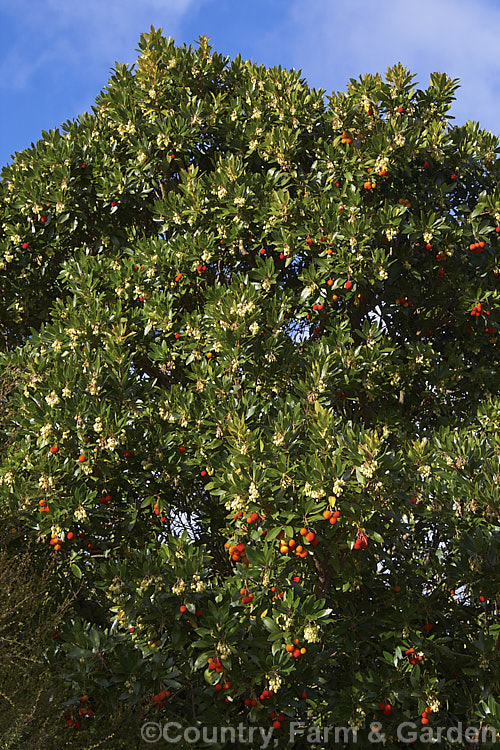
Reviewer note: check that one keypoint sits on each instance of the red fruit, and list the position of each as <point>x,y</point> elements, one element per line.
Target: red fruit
<point>426,165</point>
<point>218,687</point>
<point>262,251</point>
<point>43,219</point>
<point>113,204</point>
<point>428,246</point>
<point>127,454</point>
<point>453,177</point>
<point>276,724</point>
<point>54,449</point>
<point>428,627</point>
<point>497,229</point>
<point>254,702</point>
<point>348,285</point>
<point>310,536</point>
<point>83,165</point>
<point>82,458</point>
<point>303,695</point>
<point>309,242</point>
<point>387,710</point>
<point>131,630</point>
<point>182,449</point>
<point>482,598</point>
<point>424,720</point>
<point>198,613</point>
<point>400,110</point>
<point>25,245</point>
<point>247,702</point>
<point>282,256</point>
<point>203,473</point>
<point>381,706</point>
<point>183,608</point>
<point>69,535</point>
<point>296,653</point>
<point>177,335</point>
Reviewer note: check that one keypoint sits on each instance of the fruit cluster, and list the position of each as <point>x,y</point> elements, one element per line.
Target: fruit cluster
<point>160,698</point>
<point>56,542</point>
<point>425,715</point>
<point>413,657</point>
<point>266,695</point>
<point>331,516</point>
<point>215,664</point>
<point>277,719</point>
<point>404,301</point>
<point>250,702</point>
<point>291,545</point>
<point>223,686</point>
<point>477,310</point>
<point>277,594</point>
<point>476,247</point>
<point>237,552</point>
<point>294,649</point>
<point>361,541</point>
<point>386,708</point>
<point>246,597</point>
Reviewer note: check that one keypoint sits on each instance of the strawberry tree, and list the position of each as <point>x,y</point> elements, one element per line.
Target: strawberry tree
<point>255,422</point>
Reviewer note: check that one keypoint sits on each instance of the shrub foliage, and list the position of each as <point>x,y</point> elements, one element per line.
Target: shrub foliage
<point>254,426</point>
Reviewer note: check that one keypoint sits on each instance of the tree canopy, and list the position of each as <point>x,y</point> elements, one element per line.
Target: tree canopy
<point>251,413</point>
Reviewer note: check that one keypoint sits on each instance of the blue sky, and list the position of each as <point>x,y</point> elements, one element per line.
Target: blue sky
<point>56,55</point>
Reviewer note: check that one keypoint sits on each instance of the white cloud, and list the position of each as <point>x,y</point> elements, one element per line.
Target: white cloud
<point>335,41</point>
<point>89,33</point>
